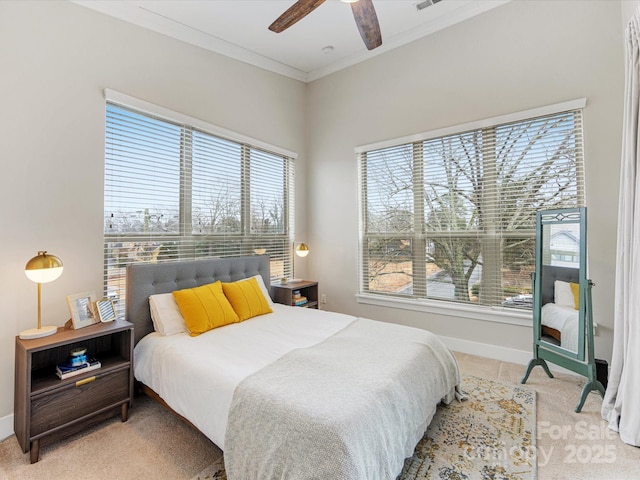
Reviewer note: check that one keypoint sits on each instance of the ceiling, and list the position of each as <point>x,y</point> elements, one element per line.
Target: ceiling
<point>238,28</point>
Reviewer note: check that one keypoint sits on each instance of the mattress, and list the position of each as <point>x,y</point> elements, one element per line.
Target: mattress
<point>197,376</point>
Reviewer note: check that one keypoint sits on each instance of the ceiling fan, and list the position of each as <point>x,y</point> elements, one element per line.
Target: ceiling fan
<point>363,12</point>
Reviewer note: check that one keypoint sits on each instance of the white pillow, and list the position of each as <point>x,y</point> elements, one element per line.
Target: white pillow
<point>563,295</point>
<point>165,314</point>
<point>263,288</point>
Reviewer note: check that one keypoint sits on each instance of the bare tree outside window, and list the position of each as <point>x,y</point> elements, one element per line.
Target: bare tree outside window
<point>453,218</point>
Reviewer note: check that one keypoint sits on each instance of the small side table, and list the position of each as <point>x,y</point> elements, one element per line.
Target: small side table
<point>284,293</point>
<point>47,408</point>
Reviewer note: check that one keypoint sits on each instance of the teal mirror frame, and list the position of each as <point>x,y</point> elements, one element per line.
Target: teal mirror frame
<point>581,361</point>
<point>547,272</point>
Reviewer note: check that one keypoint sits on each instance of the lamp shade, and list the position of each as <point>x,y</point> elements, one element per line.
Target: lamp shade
<point>302,250</point>
<point>43,268</point>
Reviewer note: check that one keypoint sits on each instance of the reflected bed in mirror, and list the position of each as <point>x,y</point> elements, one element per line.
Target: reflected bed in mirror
<point>559,315</point>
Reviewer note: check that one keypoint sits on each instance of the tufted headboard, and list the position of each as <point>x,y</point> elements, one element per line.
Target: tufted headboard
<point>145,279</point>
<point>550,275</point>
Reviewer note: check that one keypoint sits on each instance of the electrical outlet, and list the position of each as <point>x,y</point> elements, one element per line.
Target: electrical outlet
<point>323,298</point>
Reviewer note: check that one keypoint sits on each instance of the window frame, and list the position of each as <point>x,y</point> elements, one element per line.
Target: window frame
<point>500,314</point>
<point>185,235</point>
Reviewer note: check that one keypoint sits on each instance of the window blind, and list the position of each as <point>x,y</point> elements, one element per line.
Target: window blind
<point>174,191</point>
<point>452,217</point>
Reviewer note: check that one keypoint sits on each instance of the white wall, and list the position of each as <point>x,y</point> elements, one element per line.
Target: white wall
<point>56,58</point>
<point>522,55</point>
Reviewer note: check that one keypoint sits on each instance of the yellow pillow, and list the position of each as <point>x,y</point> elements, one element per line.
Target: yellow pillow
<point>246,298</point>
<point>205,308</point>
<point>575,289</point>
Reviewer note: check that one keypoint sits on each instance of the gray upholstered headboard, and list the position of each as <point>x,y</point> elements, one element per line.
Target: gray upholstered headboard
<point>551,274</point>
<point>145,279</point>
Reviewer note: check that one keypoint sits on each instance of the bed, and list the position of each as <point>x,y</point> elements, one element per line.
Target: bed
<point>296,393</point>
<point>559,317</point>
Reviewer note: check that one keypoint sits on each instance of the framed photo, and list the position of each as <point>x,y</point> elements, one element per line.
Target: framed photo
<point>106,310</point>
<point>82,309</point>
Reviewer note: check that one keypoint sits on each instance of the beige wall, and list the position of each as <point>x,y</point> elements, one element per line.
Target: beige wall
<point>522,55</point>
<point>56,58</point>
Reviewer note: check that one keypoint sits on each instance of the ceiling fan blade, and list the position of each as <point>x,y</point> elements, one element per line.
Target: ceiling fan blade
<point>296,12</point>
<point>367,22</point>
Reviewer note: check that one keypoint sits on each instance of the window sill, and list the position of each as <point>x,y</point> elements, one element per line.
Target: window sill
<point>487,314</point>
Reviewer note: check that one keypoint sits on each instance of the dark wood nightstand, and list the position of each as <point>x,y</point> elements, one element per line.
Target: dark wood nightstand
<point>284,293</point>
<point>47,408</point>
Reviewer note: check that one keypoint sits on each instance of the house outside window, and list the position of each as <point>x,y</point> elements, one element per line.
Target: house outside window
<point>449,216</point>
<point>174,190</point>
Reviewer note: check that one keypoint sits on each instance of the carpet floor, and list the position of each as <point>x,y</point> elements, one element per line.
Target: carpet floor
<point>156,444</point>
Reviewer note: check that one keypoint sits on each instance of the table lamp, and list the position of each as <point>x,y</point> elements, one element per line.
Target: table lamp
<point>42,268</point>
<point>302,251</point>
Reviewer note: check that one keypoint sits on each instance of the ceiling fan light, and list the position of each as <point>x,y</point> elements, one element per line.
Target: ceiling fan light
<point>348,1</point>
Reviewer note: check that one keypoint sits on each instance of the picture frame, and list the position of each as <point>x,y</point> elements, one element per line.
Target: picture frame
<point>82,307</point>
<point>106,310</point>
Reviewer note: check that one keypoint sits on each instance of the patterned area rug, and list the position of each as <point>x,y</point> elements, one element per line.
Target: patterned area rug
<point>491,435</point>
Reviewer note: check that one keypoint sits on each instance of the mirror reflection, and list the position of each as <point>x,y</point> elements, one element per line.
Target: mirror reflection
<point>560,284</point>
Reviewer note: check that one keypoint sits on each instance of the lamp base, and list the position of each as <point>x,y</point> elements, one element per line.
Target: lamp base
<point>38,332</point>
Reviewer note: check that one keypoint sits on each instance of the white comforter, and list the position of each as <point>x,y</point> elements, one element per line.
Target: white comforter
<point>565,320</point>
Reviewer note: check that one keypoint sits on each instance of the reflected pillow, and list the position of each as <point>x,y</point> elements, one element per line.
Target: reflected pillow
<point>563,295</point>
<point>165,314</point>
<point>205,308</point>
<point>246,298</point>
<point>575,289</point>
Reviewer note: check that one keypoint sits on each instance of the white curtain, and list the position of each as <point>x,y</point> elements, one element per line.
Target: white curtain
<point>621,406</point>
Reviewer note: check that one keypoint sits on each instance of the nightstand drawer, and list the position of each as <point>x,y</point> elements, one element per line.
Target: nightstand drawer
<point>77,399</point>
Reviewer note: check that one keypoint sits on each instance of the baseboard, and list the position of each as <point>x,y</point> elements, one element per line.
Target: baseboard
<point>504,354</point>
<point>6,427</point>
<point>495,352</point>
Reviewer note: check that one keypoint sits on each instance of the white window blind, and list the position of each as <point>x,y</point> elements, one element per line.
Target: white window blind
<point>174,191</point>
<point>452,217</point>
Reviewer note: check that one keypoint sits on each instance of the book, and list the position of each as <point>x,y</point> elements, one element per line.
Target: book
<point>67,369</point>
<point>300,301</point>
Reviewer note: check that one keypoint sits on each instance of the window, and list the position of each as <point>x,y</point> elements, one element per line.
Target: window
<point>450,215</point>
<point>174,190</point>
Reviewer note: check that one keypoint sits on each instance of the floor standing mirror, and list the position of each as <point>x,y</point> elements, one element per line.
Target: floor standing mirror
<point>562,315</point>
